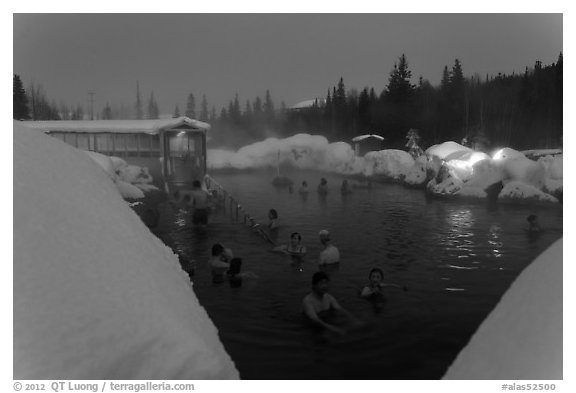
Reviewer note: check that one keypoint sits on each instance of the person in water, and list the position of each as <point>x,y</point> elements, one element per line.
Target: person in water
<point>200,203</point>
<point>319,302</point>
<point>533,226</point>
<point>294,248</point>
<point>323,187</point>
<point>345,188</point>
<point>235,275</point>
<point>273,219</point>
<point>303,188</point>
<point>220,261</point>
<point>330,254</point>
<point>375,284</point>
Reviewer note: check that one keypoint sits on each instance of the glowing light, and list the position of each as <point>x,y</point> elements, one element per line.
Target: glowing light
<point>498,155</point>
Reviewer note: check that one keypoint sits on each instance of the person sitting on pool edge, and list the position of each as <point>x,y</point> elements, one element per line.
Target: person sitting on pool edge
<point>330,254</point>
<point>319,302</point>
<point>375,285</point>
<point>294,248</point>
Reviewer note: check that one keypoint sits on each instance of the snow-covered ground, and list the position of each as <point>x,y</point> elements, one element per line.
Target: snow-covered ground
<point>96,295</point>
<point>522,336</point>
<point>447,169</point>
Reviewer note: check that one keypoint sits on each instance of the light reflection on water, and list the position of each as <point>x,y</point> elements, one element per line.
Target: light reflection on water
<point>455,259</point>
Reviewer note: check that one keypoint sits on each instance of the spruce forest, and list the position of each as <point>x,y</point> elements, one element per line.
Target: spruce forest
<point>521,111</point>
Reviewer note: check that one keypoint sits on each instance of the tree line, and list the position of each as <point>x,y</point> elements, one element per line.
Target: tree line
<point>518,110</point>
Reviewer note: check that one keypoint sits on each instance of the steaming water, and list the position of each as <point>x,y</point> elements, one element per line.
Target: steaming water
<point>456,259</point>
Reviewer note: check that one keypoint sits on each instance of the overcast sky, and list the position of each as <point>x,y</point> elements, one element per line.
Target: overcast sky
<point>295,56</point>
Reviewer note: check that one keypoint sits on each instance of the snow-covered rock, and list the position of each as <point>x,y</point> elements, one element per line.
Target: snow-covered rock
<point>507,154</point>
<point>553,166</point>
<point>521,339</point>
<point>446,149</point>
<point>417,175</point>
<point>521,169</point>
<point>96,295</point>
<point>394,164</point>
<point>132,181</point>
<point>516,190</point>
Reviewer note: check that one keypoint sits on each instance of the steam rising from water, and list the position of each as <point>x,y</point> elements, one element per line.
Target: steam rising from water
<point>305,151</point>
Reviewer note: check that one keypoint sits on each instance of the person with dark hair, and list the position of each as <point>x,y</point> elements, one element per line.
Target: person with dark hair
<point>375,285</point>
<point>200,203</point>
<point>273,219</point>
<point>533,225</point>
<point>303,188</point>
<point>235,275</point>
<point>323,187</point>
<point>294,248</point>
<point>319,302</point>
<point>220,261</point>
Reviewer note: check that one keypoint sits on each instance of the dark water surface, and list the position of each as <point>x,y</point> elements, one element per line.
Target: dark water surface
<point>456,259</point>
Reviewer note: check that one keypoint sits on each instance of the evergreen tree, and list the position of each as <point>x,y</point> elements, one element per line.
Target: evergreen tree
<point>248,110</point>
<point>399,88</point>
<point>204,109</point>
<point>138,107</point>
<point>190,107</point>
<point>78,113</point>
<point>20,101</point>
<point>258,112</point>
<point>153,111</point>
<point>236,113</point>
<point>107,112</point>
<point>176,112</point>
<point>269,108</point>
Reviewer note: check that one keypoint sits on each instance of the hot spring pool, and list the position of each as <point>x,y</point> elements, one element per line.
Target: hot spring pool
<point>455,258</point>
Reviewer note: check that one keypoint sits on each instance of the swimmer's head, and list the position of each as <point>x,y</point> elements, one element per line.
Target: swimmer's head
<point>320,282</point>
<point>295,238</point>
<point>531,218</point>
<point>324,236</point>
<point>272,214</point>
<point>323,181</point>
<point>305,184</point>
<point>376,275</point>
<point>196,184</point>
<point>217,249</point>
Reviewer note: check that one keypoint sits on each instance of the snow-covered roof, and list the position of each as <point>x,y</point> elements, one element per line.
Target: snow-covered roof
<point>117,126</point>
<point>362,137</point>
<point>308,103</point>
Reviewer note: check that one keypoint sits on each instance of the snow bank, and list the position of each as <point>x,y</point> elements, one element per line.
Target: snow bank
<point>522,336</point>
<point>132,181</point>
<point>306,151</point>
<point>472,174</point>
<point>96,295</point>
